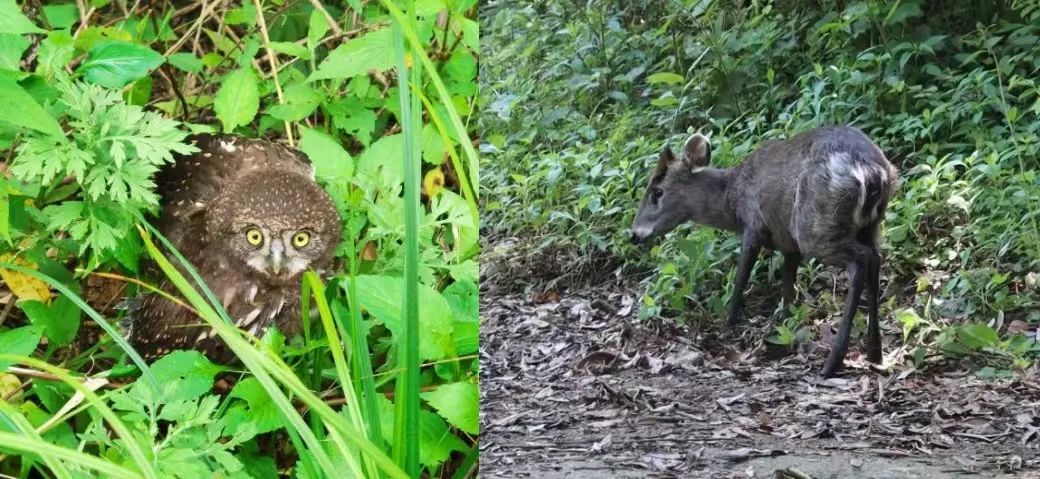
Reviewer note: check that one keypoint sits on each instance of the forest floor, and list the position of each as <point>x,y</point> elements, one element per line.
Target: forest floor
<point>575,385</point>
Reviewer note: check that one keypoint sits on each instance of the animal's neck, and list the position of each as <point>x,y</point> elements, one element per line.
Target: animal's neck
<point>709,200</point>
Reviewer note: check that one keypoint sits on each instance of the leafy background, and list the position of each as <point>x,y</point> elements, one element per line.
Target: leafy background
<point>105,94</point>
<point>582,95</point>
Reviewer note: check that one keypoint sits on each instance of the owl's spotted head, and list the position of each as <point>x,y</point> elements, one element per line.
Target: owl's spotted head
<point>275,222</point>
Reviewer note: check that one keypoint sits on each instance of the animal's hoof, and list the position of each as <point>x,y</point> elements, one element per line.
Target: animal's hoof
<point>874,350</point>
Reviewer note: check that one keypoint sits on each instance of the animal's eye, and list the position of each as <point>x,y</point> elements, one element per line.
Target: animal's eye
<point>656,194</point>
<point>301,238</point>
<point>254,236</point>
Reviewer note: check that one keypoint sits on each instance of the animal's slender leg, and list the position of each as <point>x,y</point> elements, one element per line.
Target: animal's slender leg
<point>749,249</point>
<point>873,340</point>
<point>790,276</point>
<point>856,268</point>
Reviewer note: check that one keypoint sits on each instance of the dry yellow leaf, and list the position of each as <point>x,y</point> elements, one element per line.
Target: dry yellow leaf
<point>10,388</point>
<point>23,286</point>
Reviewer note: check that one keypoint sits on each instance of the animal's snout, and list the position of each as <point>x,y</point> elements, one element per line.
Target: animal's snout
<point>635,237</point>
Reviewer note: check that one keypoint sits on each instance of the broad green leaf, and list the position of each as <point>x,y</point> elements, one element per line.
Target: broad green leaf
<point>317,26</point>
<point>186,62</point>
<point>59,321</point>
<point>331,161</point>
<point>433,149</point>
<point>238,99</point>
<point>13,21</point>
<point>371,51</point>
<point>459,403</point>
<point>977,335</point>
<point>291,49</point>
<point>11,49</point>
<point>185,375</point>
<point>30,114</point>
<point>62,15</point>
<point>664,77</point>
<point>382,297</point>
<point>301,99</point>
<point>117,64</point>
<point>19,341</point>
<point>261,411</point>
<point>382,160</point>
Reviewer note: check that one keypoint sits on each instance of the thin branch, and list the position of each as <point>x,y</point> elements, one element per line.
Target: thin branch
<point>274,64</point>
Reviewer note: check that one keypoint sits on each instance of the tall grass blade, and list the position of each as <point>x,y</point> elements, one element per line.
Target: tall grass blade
<point>30,445</point>
<point>406,423</point>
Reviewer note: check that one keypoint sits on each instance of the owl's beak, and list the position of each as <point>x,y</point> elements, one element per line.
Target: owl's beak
<point>276,257</point>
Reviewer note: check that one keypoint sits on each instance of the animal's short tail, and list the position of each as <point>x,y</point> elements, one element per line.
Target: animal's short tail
<point>877,186</point>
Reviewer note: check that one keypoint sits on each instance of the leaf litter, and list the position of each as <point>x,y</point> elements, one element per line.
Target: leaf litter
<point>575,385</point>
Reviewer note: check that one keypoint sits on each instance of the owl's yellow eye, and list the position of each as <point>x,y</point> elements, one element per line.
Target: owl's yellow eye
<point>301,238</point>
<point>254,236</point>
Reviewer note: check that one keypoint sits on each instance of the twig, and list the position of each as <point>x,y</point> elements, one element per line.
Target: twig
<point>274,64</point>
<point>206,12</point>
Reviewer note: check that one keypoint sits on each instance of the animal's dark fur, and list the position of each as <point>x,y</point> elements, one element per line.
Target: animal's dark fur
<point>822,193</point>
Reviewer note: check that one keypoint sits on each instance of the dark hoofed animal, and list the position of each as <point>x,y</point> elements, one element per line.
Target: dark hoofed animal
<point>821,194</point>
<point>250,218</point>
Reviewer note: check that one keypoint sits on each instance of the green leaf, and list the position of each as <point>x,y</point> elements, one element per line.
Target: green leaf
<point>260,410</point>
<point>317,26</point>
<point>300,101</point>
<point>459,403</point>
<point>116,64</point>
<point>30,114</point>
<point>186,62</point>
<point>238,99</point>
<point>667,78</point>
<point>382,295</point>
<point>185,375</point>
<point>11,49</point>
<point>13,21</point>
<point>291,49</point>
<point>977,335</point>
<point>59,321</point>
<point>433,149</point>
<point>62,15</point>
<point>351,116</point>
<point>19,341</point>
<point>331,161</point>
<point>382,160</point>
<point>371,51</point>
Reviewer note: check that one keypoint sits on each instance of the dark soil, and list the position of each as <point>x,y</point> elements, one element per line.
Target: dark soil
<point>574,385</point>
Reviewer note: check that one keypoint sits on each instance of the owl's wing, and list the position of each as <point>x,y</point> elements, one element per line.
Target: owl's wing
<point>193,181</point>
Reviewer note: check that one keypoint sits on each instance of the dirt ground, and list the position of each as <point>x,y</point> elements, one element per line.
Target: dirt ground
<point>576,386</point>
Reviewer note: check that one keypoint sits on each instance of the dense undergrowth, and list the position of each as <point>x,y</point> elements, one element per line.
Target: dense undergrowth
<point>97,96</point>
<point>582,96</point>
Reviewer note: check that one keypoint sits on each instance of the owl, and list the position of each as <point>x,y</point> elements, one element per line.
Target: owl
<point>249,217</point>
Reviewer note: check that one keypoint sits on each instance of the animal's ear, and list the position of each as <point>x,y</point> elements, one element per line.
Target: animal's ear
<point>697,152</point>
<point>666,157</point>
